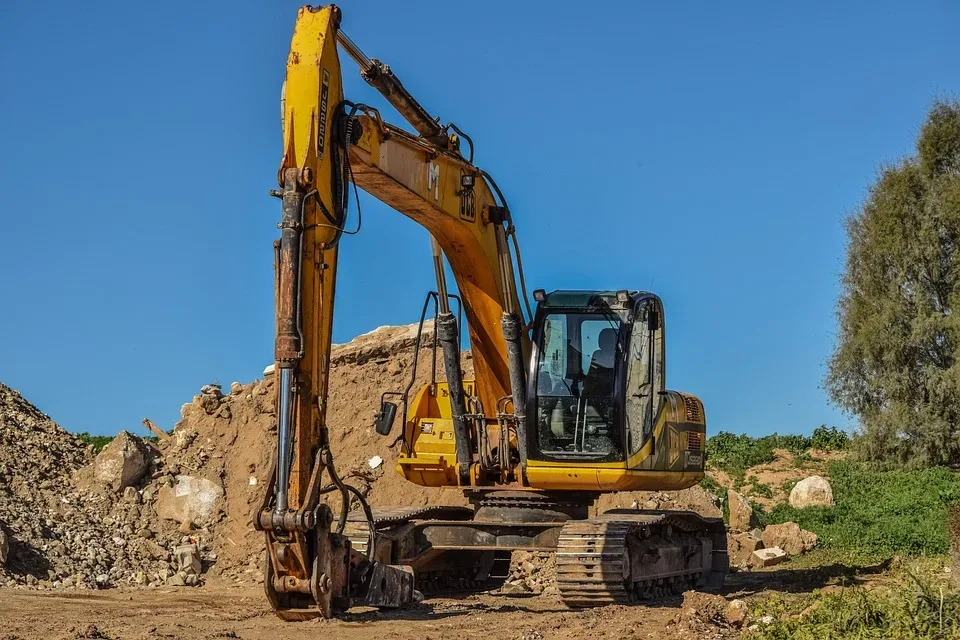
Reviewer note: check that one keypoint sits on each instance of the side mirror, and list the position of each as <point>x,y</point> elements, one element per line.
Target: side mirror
<point>388,413</point>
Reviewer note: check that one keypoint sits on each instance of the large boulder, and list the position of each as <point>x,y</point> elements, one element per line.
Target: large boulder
<point>740,546</point>
<point>814,491</point>
<point>741,513</point>
<point>122,462</point>
<point>190,500</point>
<point>789,537</point>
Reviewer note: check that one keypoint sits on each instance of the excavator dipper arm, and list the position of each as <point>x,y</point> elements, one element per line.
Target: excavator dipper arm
<point>310,568</point>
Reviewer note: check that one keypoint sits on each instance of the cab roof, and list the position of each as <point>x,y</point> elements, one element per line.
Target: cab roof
<point>578,299</point>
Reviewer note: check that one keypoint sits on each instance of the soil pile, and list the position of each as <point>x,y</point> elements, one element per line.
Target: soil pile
<point>230,439</point>
<point>60,532</point>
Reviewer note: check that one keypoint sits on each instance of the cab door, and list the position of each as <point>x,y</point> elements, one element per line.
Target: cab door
<point>644,375</point>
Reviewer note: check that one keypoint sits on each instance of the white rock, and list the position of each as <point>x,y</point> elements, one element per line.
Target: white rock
<point>253,481</point>
<point>810,492</point>
<point>768,557</point>
<point>190,499</point>
<point>375,462</point>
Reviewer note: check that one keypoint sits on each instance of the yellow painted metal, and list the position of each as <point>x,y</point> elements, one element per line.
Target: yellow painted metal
<point>432,462</point>
<point>652,467</point>
<point>424,184</point>
<point>312,91</point>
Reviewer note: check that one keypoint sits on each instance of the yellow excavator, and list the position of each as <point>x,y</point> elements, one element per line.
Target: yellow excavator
<point>568,400</point>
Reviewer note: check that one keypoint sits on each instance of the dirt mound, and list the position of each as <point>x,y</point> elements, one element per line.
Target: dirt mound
<point>36,455</point>
<point>230,439</point>
<point>60,532</point>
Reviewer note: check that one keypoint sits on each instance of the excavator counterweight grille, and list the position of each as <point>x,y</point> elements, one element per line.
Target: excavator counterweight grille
<point>694,409</point>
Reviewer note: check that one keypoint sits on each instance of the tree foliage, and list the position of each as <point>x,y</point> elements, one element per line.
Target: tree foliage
<point>896,361</point>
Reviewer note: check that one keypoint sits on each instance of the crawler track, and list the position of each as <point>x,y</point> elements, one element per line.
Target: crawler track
<point>621,557</point>
<point>628,556</point>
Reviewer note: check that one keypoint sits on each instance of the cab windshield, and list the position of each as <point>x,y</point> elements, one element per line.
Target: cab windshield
<point>575,385</point>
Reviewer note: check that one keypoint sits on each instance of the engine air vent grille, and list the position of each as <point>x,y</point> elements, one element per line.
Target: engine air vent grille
<point>694,409</point>
<point>694,441</point>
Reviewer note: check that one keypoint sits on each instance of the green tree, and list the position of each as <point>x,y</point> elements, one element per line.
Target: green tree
<point>896,363</point>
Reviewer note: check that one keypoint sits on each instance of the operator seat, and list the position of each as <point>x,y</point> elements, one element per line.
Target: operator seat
<point>599,381</point>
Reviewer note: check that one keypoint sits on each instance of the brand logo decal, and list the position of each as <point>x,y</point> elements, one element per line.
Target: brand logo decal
<point>322,130</point>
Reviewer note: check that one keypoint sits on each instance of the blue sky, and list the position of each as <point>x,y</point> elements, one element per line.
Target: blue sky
<point>705,151</point>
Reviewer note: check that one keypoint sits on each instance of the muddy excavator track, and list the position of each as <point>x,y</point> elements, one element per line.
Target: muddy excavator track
<point>629,556</point>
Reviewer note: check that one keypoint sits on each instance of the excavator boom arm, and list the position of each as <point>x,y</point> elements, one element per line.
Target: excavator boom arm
<point>328,142</point>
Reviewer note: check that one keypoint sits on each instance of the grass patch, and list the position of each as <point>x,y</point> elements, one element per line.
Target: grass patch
<point>761,489</point>
<point>842,561</point>
<point>880,512</point>
<point>920,604</point>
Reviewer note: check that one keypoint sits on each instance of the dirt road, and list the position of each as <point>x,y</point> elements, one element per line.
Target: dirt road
<point>218,612</point>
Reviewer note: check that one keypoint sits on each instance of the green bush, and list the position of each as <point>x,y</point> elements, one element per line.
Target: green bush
<point>915,607</point>
<point>737,453</point>
<point>829,439</point>
<point>883,512</point>
<point>98,442</point>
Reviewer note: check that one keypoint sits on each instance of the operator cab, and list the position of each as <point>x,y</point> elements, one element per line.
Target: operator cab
<point>596,370</point>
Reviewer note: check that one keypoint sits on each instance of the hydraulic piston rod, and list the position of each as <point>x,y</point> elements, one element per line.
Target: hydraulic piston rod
<point>284,439</point>
<point>379,76</point>
<point>289,342</point>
